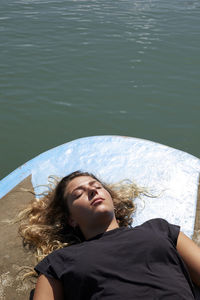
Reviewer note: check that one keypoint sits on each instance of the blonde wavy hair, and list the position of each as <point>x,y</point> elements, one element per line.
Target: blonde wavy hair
<point>44,223</point>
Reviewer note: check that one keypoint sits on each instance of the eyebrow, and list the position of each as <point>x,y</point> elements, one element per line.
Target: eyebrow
<point>82,186</point>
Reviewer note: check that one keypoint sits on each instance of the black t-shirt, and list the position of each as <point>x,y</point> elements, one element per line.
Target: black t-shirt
<point>124,263</point>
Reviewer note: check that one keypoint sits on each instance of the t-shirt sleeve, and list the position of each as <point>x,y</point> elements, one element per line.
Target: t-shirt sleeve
<point>47,268</point>
<point>162,226</point>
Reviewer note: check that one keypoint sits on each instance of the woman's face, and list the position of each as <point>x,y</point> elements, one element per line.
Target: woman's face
<point>89,202</point>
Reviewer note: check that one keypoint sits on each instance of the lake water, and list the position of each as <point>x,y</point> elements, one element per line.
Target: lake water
<point>71,69</point>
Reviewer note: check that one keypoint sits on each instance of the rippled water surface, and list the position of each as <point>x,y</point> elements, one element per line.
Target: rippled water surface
<point>78,68</point>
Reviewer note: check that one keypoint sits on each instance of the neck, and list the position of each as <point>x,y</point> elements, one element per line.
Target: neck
<point>101,228</point>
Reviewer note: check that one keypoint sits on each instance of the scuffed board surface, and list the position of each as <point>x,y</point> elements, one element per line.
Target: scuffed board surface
<point>169,174</point>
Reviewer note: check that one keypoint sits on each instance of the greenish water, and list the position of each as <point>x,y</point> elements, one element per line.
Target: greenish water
<point>79,68</point>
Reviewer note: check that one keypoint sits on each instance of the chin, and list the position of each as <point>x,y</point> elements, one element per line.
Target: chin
<point>104,211</point>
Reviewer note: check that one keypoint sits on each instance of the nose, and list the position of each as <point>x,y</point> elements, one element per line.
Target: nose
<point>92,192</point>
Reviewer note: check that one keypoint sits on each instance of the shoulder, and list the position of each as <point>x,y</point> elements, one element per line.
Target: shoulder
<point>156,222</point>
<point>162,227</point>
<point>68,253</point>
<point>52,264</point>
<point>153,223</point>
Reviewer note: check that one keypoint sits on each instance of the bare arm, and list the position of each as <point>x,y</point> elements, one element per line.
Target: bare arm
<point>190,253</point>
<point>48,289</point>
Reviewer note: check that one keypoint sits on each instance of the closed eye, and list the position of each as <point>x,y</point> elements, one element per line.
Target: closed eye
<point>77,194</point>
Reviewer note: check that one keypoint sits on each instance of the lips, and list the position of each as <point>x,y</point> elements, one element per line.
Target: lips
<point>97,200</point>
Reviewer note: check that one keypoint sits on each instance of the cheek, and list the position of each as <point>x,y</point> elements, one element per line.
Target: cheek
<point>108,196</point>
<point>77,208</point>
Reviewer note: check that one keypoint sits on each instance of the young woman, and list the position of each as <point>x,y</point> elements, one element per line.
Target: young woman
<point>106,259</point>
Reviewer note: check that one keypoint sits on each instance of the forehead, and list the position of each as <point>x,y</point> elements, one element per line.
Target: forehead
<point>79,181</point>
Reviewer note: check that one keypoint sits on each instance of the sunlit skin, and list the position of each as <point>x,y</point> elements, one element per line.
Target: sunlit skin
<point>90,206</point>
